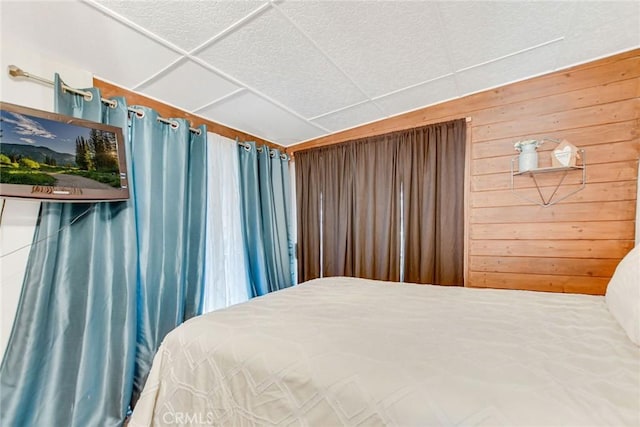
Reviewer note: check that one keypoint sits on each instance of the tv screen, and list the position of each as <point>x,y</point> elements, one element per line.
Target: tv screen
<point>51,156</point>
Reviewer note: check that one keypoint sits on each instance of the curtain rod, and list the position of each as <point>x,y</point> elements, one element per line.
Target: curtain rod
<point>17,72</point>
<point>272,152</point>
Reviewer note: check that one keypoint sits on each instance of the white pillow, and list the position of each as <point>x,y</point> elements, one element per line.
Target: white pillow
<point>623,294</point>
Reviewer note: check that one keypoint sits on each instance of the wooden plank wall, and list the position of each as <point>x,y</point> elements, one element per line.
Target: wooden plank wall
<point>572,246</point>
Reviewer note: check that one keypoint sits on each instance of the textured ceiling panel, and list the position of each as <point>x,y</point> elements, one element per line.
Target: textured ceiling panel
<point>289,71</point>
<point>271,56</point>
<point>187,24</point>
<point>79,35</point>
<point>250,113</point>
<point>189,86</point>
<point>483,31</point>
<point>508,70</point>
<point>590,35</point>
<point>419,96</point>
<point>349,117</point>
<point>383,46</point>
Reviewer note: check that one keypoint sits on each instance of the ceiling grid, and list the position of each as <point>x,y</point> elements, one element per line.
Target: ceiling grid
<point>290,71</point>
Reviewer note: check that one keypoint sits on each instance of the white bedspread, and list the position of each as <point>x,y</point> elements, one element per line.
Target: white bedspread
<point>341,351</point>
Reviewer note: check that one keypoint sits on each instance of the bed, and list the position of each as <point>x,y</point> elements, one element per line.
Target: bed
<point>354,352</point>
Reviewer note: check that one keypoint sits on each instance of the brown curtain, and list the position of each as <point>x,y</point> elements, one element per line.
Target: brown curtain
<point>308,172</point>
<point>377,209</point>
<point>432,169</point>
<point>358,186</point>
<point>338,169</point>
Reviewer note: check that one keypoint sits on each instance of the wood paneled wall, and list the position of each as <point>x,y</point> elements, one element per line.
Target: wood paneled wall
<point>575,245</point>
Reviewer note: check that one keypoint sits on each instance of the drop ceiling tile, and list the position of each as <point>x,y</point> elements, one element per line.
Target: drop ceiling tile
<point>419,96</point>
<point>600,29</point>
<point>188,85</point>
<point>511,69</point>
<point>77,34</point>
<point>186,24</point>
<point>271,56</point>
<point>482,31</point>
<point>350,117</point>
<point>382,46</point>
<point>252,114</point>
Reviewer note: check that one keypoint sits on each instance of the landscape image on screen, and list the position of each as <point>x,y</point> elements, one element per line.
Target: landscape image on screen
<point>43,152</point>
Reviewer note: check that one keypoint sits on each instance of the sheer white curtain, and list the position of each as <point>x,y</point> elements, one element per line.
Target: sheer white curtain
<point>226,279</point>
<point>294,221</point>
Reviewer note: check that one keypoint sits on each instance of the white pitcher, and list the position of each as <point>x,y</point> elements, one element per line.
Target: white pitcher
<point>528,159</point>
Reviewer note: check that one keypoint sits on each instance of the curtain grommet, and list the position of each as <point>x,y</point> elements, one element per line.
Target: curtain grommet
<point>140,114</point>
<point>174,124</point>
<point>87,96</point>
<point>246,146</point>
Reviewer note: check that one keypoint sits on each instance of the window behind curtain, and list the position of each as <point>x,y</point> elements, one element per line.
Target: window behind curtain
<point>392,206</point>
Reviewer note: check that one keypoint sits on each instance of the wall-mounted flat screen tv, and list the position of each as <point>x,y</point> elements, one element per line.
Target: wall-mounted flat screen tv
<point>51,156</point>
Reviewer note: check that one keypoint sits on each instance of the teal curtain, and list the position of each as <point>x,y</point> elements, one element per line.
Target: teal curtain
<point>169,180</point>
<point>106,282</point>
<point>70,357</point>
<point>266,210</point>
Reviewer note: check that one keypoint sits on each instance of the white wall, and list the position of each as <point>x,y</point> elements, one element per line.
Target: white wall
<point>18,218</point>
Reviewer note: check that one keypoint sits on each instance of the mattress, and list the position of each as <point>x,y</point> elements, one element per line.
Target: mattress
<point>354,352</point>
